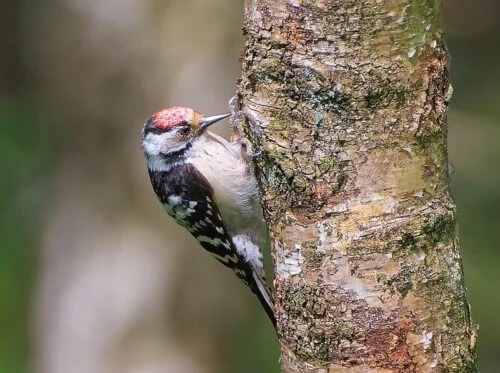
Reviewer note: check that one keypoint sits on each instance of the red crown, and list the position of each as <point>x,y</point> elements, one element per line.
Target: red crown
<point>171,116</point>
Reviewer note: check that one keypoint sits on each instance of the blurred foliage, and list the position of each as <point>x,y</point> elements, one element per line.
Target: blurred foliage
<point>24,155</point>
<point>27,140</point>
<point>474,147</point>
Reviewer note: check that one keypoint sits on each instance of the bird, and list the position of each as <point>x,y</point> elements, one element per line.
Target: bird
<point>207,185</point>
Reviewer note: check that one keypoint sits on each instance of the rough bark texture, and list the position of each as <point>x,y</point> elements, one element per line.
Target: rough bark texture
<point>346,100</point>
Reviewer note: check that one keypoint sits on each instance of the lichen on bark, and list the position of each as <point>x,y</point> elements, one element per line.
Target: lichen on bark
<point>346,102</point>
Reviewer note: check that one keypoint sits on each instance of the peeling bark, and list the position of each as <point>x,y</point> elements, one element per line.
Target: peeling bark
<point>346,101</point>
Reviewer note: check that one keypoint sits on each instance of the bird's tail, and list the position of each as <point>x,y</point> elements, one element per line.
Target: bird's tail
<point>265,296</point>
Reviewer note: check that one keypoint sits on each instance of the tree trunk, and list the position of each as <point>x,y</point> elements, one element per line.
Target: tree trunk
<point>346,100</point>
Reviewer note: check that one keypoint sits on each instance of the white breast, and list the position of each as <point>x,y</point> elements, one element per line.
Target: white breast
<point>235,187</point>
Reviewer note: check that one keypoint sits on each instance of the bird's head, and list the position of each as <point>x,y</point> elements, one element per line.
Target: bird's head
<point>174,130</point>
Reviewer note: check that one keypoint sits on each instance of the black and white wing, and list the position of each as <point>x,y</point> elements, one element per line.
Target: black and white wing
<point>188,198</point>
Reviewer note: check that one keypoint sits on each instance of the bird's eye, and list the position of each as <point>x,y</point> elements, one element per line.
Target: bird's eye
<point>185,131</point>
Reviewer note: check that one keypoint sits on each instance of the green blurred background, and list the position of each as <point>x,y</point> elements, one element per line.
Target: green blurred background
<point>92,276</point>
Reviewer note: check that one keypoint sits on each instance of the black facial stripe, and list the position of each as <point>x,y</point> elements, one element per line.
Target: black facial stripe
<point>178,155</point>
<point>154,130</point>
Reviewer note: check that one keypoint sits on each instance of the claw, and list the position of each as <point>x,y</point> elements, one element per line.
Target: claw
<point>234,104</point>
<point>254,154</point>
<point>237,117</point>
<point>246,149</point>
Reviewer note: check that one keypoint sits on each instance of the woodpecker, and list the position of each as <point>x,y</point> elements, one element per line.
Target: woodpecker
<point>206,184</point>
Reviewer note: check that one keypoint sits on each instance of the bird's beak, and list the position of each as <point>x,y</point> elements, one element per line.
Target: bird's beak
<point>205,122</point>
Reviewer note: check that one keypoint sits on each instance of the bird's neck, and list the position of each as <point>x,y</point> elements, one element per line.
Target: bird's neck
<point>165,161</point>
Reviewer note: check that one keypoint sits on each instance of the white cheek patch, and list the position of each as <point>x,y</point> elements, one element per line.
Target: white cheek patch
<point>154,143</point>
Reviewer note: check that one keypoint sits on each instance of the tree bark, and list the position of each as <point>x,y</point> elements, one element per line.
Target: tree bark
<point>346,101</point>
